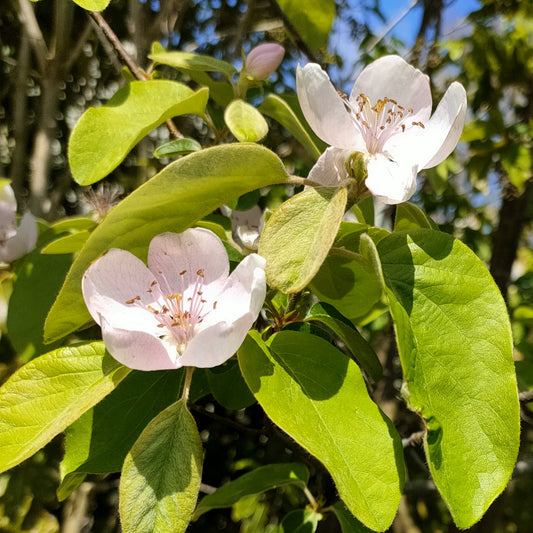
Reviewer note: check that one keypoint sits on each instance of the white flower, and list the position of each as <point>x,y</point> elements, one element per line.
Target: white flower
<point>387,119</point>
<point>182,309</point>
<point>246,226</point>
<point>14,242</point>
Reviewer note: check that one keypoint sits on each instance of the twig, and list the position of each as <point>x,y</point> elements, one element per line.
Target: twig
<point>526,396</point>
<point>128,61</point>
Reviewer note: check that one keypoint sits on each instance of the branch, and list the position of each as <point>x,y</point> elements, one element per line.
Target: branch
<point>27,16</point>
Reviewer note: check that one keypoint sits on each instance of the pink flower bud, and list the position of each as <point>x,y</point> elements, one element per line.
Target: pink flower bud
<point>263,60</point>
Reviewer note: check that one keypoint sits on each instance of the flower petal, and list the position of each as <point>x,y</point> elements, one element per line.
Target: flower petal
<point>224,328</point>
<point>324,109</point>
<point>111,281</point>
<point>445,127</point>
<point>193,250</point>
<point>392,77</point>
<point>391,181</point>
<point>330,168</point>
<point>137,349</point>
<point>22,242</point>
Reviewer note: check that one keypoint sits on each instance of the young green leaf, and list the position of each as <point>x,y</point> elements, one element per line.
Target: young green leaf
<point>410,216</point>
<point>275,107</point>
<point>67,244</point>
<point>187,61</point>
<point>455,346</point>
<point>177,147</point>
<point>348,522</point>
<point>198,184</point>
<point>245,122</point>
<point>104,136</point>
<point>255,482</point>
<point>161,474</point>
<point>47,394</point>
<point>228,386</point>
<point>299,235</point>
<point>318,396</point>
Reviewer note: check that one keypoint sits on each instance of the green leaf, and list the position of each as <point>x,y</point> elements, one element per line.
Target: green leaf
<point>198,184</point>
<point>245,122</point>
<point>300,521</point>
<point>410,216</point>
<point>312,19</point>
<point>67,245</point>
<point>455,346</point>
<point>352,339</point>
<point>259,480</point>
<point>187,61</point>
<point>161,475</point>
<point>275,107</point>
<point>228,386</point>
<point>99,440</point>
<point>37,283</point>
<point>177,147</point>
<point>350,286</point>
<point>298,236</point>
<point>91,5</point>
<point>104,136</point>
<point>220,91</point>
<point>318,396</point>
<point>73,224</point>
<point>348,522</point>
<point>46,395</point>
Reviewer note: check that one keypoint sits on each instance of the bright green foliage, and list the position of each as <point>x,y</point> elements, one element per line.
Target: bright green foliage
<point>67,244</point>
<point>37,283</point>
<point>312,19</point>
<point>298,236</point>
<point>455,348</point>
<point>348,522</point>
<point>162,473</point>
<point>228,386</point>
<point>259,480</point>
<point>352,339</point>
<point>177,147</point>
<point>186,61</point>
<point>278,109</point>
<point>300,521</point>
<point>92,5</point>
<point>104,136</point>
<point>46,395</point>
<point>318,396</point>
<point>198,184</point>
<point>245,122</point>
<point>410,216</point>
<point>100,439</point>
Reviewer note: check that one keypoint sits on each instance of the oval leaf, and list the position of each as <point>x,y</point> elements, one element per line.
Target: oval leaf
<point>187,61</point>
<point>46,395</point>
<point>177,147</point>
<point>245,122</point>
<point>259,480</point>
<point>455,346</point>
<point>104,136</point>
<point>275,107</point>
<point>161,474</point>
<point>318,396</point>
<point>298,236</point>
<point>198,184</point>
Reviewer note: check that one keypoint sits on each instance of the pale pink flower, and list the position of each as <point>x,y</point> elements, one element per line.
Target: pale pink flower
<point>387,118</point>
<point>183,309</point>
<point>263,60</point>
<point>14,241</point>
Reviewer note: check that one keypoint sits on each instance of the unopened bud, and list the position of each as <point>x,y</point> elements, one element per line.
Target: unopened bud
<point>263,60</point>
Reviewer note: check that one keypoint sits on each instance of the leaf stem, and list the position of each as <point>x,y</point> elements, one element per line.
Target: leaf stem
<point>187,385</point>
<point>311,498</point>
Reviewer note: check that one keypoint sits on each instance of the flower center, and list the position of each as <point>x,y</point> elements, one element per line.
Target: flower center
<point>379,122</point>
<point>176,315</point>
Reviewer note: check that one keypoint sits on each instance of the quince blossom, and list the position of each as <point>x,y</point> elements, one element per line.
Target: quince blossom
<point>263,60</point>
<point>14,242</point>
<point>386,119</point>
<point>183,309</point>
